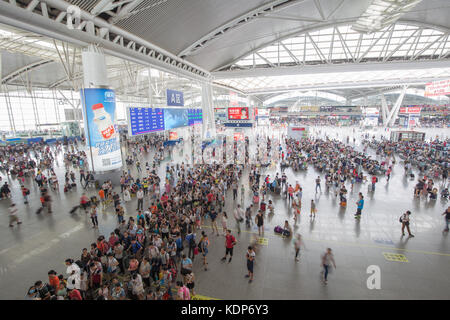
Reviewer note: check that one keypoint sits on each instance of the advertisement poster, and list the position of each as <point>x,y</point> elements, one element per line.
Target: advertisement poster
<point>175,118</point>
<point>99,107</point>
<point>236,113</point>
<point>173,135</point>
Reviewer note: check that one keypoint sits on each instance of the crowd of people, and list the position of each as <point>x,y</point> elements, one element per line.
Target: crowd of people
<point>149,255</point>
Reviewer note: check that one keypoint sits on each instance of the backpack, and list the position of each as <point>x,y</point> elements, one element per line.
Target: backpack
<point>192,242</point>
<point>400,220</point>
<point>278,229</point>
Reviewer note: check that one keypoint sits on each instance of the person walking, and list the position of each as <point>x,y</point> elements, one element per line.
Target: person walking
<point>298,243</point>
<point>360,206</point>
<point>250,255</point>
<point>238,215</point>
<point>404,219</point>
<point>259,220</point>
<point>13,215</point>
<point>230,242</point>
<point>313,209</point>
<point>447,218</point>
<point>327,260</point>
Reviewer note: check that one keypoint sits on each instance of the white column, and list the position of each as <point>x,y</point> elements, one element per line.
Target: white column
<point>209,125</point>
<point>94,68</point>
<point>384,109</point>
<point>396,108</point>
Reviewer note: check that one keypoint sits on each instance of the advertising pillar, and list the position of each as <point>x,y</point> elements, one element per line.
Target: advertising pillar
<point>99,114</point>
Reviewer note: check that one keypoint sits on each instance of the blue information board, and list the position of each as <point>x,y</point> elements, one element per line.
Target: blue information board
<point>195,116</point>
<point>146,120</point>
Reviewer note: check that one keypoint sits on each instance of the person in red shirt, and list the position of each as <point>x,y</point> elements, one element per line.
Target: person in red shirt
<point>230,242</point>
<point>84,200</point>
<point>53,279</point>
<point>210,197</point>
<point>75,294</point>
<point>374,180</point>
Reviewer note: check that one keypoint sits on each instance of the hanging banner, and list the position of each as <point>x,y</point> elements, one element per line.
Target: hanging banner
<point>410,110</point>
<point>238,113</point>
<point>437,88</point>
<point>102,137</point>
<point>175,98</point>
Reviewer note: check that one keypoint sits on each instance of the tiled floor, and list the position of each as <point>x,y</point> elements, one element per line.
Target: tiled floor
<point>43,242</point>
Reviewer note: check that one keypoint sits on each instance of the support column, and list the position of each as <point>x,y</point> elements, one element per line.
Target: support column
<point>9,109</point>
<point>396,108</point>
<point>99,114</point>
<point>384,109</point>
<point>209,125</point>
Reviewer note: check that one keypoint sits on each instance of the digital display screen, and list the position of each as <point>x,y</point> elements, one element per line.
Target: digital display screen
<point>236,113</point>
<point>175,118</point>
<point>195,116</point>
<point>146,120</point>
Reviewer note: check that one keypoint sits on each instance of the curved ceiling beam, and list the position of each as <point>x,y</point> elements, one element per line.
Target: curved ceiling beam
<point>298,94</point>
<point>237,22</point>
<point>23,70</point>
<point>320,26</point>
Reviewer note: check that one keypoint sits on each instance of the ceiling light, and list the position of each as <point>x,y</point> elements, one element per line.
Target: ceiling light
<point>382,13</point>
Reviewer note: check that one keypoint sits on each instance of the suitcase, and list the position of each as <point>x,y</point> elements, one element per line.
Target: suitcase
<point>39,210</point>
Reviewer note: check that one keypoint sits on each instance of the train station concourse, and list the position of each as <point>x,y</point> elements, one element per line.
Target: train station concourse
<point>224,150</point>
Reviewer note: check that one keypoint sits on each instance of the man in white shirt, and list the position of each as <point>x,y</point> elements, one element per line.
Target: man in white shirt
<point>73,281</point>
<point>71,267</point>
<point>140,198</point>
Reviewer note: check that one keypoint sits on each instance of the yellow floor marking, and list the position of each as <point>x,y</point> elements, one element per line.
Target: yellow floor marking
<point>389,256</point>
<point>263,241</point>
<point>199,297</point>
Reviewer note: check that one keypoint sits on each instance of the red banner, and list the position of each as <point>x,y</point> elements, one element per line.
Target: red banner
<point>238,113</point>
<point>437,88</point>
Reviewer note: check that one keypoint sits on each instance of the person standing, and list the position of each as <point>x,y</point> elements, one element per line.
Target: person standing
<point>259,220</point>
<point>13,215</point>
<point>204,244</point>
<point>94,218</point>
<point>447,218</point>
<point>234,187</point>
<point>360,206</point>
<point>404,219</point>
<point>250,255</point>
<point>327,260</point>
<point>230,242</point>
<point>318,184</point>
<point>140,199</point>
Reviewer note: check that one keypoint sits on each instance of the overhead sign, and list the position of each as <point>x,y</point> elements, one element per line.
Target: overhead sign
<point>175,98</point>
<point>237,113</point>
<point>102,137</point>
<point>437,88</point>
<point>410,110</point>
